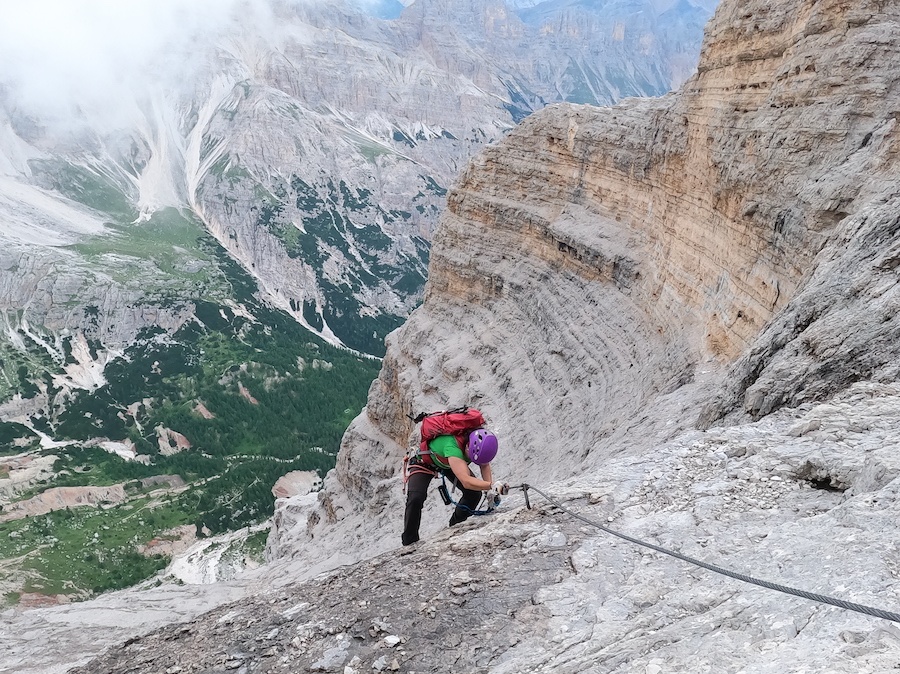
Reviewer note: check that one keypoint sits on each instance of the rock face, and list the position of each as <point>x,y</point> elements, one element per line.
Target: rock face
<point>679,317</point>
<point>605,277</point>
<point>683,225</point>
<point>540,591</point>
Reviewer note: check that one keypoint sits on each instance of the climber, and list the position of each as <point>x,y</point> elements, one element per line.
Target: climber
<point>444,456</point>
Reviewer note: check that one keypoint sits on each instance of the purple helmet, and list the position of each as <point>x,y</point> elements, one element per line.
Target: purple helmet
<point>482,446</point>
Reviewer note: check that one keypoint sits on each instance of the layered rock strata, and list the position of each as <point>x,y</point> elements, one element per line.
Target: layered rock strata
<point>600,275</point>
<point>599,269</point>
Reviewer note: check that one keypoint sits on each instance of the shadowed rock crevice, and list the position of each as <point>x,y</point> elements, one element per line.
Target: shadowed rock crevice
<point>842,327</point>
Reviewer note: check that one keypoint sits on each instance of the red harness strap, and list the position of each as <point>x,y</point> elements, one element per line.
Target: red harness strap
<point>420,463</point>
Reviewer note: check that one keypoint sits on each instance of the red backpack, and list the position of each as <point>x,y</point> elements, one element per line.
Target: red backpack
<point>457,422</point>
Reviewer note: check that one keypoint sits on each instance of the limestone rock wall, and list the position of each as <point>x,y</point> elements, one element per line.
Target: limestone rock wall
<point>841,328</point>
<point>599,276</point>
<point>599,269</point>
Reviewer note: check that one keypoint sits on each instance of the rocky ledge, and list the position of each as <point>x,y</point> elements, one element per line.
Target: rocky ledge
<point>806,498</point>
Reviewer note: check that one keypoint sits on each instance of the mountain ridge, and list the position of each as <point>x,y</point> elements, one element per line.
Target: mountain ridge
<point>176,156</point>
<point>190,235</point>
<point>600,278</point>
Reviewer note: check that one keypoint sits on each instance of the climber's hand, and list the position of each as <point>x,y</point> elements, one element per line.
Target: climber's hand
<point>502,488</point>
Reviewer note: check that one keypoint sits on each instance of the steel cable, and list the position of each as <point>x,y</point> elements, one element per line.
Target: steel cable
<point>821,598</point>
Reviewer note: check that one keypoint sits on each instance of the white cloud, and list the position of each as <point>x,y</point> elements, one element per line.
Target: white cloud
<point>68,59</point>
<point>59,55</point>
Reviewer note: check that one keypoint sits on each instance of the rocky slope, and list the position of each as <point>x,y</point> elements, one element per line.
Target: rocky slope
<point>679,316</point>
<point>683,225</point>
<point>540,591</point>
<point>178,257</point>
<point>600,270</point>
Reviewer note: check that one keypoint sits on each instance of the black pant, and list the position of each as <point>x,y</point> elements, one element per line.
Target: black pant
<point>417,491</point>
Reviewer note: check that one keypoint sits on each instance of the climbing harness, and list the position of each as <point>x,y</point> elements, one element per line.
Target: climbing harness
<point>423,463</point>
<point>417,464</point>
<point>824,599</point>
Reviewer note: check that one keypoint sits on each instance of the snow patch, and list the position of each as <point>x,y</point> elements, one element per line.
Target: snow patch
<point>12,333</point>
<point>126,449</point>
<point>53,350</point>
<point>46,441</point>
<point>240,310</point>
<point>86,373</point>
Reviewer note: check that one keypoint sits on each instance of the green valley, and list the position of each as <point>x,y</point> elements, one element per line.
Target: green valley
<point>225,404</point>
